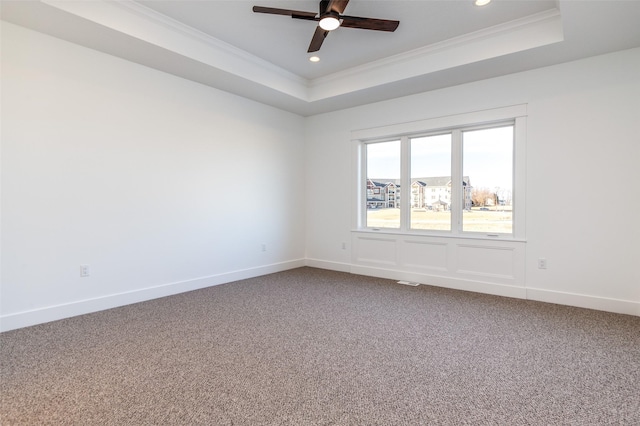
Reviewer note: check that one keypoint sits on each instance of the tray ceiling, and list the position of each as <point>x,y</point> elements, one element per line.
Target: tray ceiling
<point>225,45</point>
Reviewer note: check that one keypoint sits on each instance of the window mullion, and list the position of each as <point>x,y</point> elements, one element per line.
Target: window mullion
<point>361,158</point>
<point>405,184</point>
<point>456,182</point>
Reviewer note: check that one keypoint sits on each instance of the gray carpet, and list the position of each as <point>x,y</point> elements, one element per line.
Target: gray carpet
<point>314,347</point>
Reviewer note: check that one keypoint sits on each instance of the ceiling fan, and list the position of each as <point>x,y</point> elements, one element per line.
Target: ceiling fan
<point>330,18</point>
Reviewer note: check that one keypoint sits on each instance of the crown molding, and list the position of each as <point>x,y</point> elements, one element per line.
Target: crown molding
<point>515,36</point>
<point>145,24</point>
<point>132,31</point>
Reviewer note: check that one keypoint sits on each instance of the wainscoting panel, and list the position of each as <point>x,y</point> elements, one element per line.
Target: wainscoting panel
<point>475,264</point>
<point>423,256</point>
<point>376,250</point>
<point>486,262</point>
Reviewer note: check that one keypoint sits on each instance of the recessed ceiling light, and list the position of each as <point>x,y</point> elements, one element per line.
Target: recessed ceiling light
<point>314,59</point>
<point>482,2</point>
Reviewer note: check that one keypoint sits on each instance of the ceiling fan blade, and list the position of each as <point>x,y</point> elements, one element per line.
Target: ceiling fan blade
<point>318,38</point>
<point>333,9</point>
<point>337,6</point>
<point>369,23</point>
<point>287,12</point>
<point>305,17</point>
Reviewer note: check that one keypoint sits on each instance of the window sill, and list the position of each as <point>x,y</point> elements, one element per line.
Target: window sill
<point>479,236</point>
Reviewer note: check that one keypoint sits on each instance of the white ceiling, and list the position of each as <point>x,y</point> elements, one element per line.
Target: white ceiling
<point>284,41</point>
<point>264,57</point>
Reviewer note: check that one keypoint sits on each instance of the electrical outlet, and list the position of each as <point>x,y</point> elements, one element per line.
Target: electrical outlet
<point>344,246</point>
<point>84,271</point>
<point>263,247</point>
<point>542,263</point>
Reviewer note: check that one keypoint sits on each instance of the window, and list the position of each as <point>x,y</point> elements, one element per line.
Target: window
<point>457,180</point>
<point>487,155</point>
<point>430,170</point>
<point>383,176</point>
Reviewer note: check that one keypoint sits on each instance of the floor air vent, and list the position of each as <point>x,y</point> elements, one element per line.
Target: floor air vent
<point>411,283</point>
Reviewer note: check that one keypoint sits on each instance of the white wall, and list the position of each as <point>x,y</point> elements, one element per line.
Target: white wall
<point>160,184</point>
<point>582,142</point>
<point>163,185</point>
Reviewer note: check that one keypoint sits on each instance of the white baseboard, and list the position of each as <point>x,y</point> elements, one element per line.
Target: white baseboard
<point>331,266</point>
<point>548,296</point>
<point>439,281</point>
<point>81,307</point>
<point>57,312</point>
<point>583,301</point>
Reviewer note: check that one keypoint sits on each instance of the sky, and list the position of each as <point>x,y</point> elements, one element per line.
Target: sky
<point>487,157</point>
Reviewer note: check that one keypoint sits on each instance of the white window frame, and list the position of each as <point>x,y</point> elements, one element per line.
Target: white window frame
<point>511,115</point>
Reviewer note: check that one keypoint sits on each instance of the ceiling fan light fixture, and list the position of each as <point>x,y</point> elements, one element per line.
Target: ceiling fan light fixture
<point>482,2</point>
<point>329,22</point>
<point>314,59</point>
